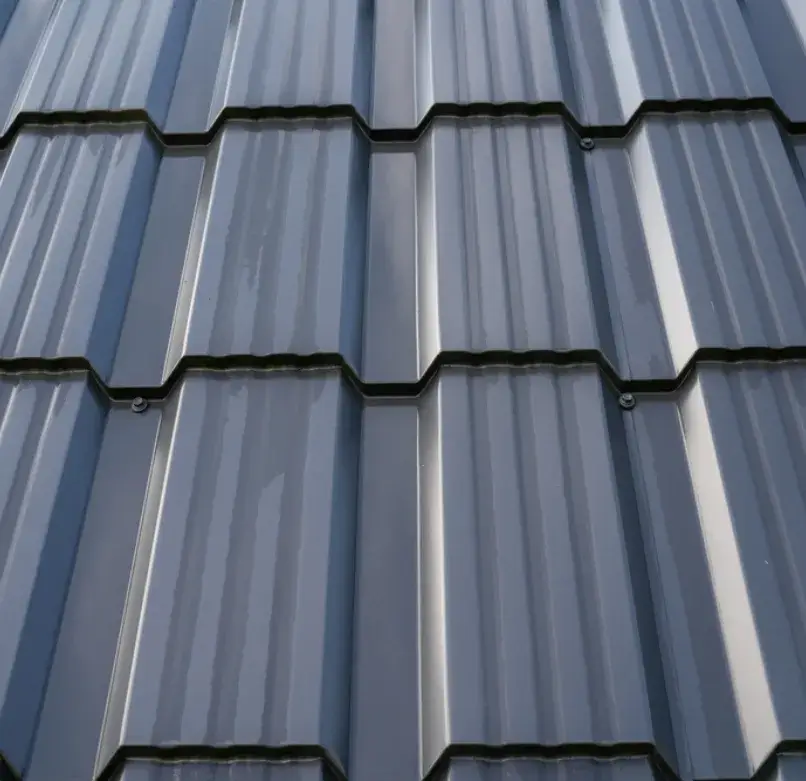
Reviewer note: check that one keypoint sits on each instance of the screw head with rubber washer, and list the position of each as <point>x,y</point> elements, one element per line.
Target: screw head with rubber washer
<point>587,144</point>
<point>626,401</point>
<point>139,404</point>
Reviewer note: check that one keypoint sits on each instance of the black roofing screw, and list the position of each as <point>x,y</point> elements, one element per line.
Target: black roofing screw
<point>587,144</point>
<point>626,401</point>
<point>139,404</point>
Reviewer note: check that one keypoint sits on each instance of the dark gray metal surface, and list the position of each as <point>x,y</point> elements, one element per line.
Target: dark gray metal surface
<point>227,578</point>
<point>185,62</point>
<point>379,562</point>
<point>778,32</point>
<point>305,239</point>
<point>525,583</point>
<point>50,432</point>
<point>256,570</point>
<point>600,58</point>
<point>543,770</point>
<point>790,768</point>
<point>140,770</point>
<point>250,511</point>
<point>132,258</point>
<point>719,478</point>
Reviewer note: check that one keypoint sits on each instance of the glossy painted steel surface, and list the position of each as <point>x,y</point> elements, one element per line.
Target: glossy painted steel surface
<point>549,770</point>
<point>402,390</point>
<point>143,770</point>
<point>304,239</point>
<point>255,572</point>
<point>184,62</point>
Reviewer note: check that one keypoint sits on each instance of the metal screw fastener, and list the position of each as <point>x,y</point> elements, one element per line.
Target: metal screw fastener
<point>626,401</point>
<point>139,404</point>
<point>587,144</point>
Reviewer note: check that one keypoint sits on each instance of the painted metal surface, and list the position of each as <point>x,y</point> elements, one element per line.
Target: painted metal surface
<point>377,395</point>
<point>186,62</point>
<point>304,239</point>
<point>543,770</point>
<point>143,770</point>
<point>183,61</point>
<point>265,556</point>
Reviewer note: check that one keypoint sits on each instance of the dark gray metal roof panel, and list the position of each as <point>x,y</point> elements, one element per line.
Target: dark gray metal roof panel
<point>526,580</point>
<point>637,769</point>
<point>83,667</point>
<point>602,59</point>
<point>569,575</point>
<point>72,210</point>
<point>181,61</point>
<point>144,770</point>
<point>250,515</point>
<point>227,579</point>
<point>500,572</point>
<point>304,238</point>
<point>789,768</point>
<point>778,31</point>
<point>185,62</point>
<point>702,233</point>
<point>133,258</point>
<point>385,704</point>
<point>50,433</point>
<point>717,476</point>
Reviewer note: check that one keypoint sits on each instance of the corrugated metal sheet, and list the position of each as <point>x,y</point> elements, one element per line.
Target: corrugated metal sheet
<point>50,432</point>
<point>185,62</point>
<point>133,258</point>
<point>182,61</point>
<point>374,561</point>
<point>536,770</point>
<point>255,569</point>
<point>139,770</point>
<point>302,238</point>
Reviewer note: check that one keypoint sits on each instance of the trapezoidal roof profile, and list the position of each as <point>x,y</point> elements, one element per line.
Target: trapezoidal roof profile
<point>404,390</point>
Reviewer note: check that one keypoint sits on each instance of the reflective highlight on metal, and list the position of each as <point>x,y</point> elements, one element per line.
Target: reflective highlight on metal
<point>268,538</point>
<point>402,390</point>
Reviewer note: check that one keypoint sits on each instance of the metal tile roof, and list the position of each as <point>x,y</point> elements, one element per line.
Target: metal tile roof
<point>402,390</point>
<point>541,770</point>
<point>256,569</point>
<point>141,770</point>
<point>304,239</point>
<point>181,61</point>
<point>184,62</point>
